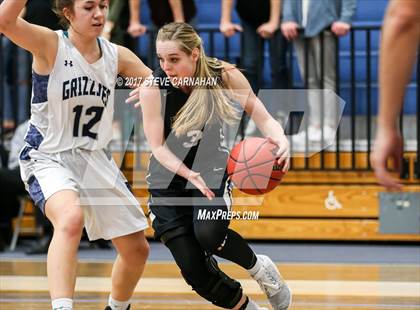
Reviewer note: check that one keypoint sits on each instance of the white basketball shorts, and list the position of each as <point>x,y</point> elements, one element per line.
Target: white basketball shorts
<point>110,209</point>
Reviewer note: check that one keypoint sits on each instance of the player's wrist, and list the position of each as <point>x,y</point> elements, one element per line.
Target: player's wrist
<point>185,172</point>
<point>190,175</point>
<point>388,125</point>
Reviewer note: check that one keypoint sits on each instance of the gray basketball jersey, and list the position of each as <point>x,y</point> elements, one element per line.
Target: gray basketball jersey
<point>73,106</point>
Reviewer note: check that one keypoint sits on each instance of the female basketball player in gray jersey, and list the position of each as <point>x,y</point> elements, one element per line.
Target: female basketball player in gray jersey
<point>66,170</point>
<point>184,108</point>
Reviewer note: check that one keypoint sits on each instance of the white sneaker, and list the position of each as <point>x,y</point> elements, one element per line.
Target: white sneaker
<point>272,284</point>
<point>252,305</point>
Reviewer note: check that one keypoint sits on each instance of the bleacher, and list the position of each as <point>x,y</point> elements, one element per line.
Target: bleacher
<point>308,205</point>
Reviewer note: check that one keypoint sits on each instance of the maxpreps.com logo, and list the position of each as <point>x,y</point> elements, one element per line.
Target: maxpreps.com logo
<point>211,215</point>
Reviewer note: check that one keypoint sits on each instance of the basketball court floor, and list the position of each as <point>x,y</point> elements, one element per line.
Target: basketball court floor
<point>322,277</point>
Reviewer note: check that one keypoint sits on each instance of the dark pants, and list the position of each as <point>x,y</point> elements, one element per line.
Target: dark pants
<point>16,82</point>
<point>11,187</point>
<point>253,58</point>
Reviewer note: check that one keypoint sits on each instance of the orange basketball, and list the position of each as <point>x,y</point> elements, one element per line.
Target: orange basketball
<point>252,166</point>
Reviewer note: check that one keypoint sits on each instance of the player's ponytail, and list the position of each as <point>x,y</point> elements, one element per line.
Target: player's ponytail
<point>208,102</point>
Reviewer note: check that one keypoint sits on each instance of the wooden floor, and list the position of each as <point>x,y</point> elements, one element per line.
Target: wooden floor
<point>23,285</point>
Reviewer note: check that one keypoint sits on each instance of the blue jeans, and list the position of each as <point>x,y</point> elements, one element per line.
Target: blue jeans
<point>16,72</point>
<point>253,58</point>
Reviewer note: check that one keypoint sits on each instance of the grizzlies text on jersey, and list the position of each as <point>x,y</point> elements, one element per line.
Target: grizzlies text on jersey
<point>73,106</point>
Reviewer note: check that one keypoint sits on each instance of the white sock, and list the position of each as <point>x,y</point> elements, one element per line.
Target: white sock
<point>256,267</point>
<point>62,304</point>
<point>252,305</point>
<point>117,305</point>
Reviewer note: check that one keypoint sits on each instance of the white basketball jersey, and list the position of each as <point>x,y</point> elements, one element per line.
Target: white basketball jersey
<point>73,106</point>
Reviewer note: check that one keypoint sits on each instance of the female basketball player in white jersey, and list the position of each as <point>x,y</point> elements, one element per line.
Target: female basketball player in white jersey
<point>184,128</point>
<point>67,172</point>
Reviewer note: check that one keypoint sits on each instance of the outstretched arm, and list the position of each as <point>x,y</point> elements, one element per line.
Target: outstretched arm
<point>40,41</point>
<point>253,106</point>
<point>400,40</point>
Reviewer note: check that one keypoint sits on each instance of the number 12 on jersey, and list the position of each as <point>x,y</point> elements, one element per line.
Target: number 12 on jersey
<point>96,111</point>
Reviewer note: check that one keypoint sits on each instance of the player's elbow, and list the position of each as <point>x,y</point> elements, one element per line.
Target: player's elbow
<point>157,150</point>
<point>403,19</point>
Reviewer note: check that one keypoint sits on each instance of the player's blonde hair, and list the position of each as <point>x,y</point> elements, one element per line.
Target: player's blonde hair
<point>207,103</point>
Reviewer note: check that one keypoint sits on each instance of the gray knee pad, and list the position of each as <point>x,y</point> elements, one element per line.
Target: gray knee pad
<point>220,290</point>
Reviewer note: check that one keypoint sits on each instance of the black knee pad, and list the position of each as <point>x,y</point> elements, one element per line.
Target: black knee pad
<point>211,236</point>
<point>220,290</point>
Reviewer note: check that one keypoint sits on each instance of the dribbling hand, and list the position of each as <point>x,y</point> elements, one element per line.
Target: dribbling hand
<point>283,153</point>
